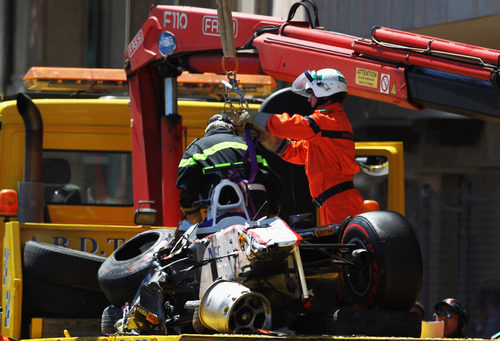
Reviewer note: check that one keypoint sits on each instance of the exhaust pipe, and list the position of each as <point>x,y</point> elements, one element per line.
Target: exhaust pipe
<point>229,307</point>
<point>31,201</point>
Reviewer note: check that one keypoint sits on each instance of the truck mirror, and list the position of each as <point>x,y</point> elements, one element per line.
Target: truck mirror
<point>145,215</point>
<point>373,165</point>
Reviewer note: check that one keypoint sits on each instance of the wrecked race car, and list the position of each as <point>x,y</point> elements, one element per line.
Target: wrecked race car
<point>241,276</point>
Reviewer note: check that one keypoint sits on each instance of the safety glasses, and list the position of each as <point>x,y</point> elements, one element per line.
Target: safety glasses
<point>447,313</point>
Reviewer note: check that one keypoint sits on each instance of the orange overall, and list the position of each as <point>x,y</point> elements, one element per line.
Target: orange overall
<point>323,142</point>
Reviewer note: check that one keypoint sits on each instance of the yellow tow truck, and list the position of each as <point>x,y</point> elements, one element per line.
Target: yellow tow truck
<point>87,189</point>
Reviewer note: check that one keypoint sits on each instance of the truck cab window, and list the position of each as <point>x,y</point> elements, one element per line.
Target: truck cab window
<point>87,177</point>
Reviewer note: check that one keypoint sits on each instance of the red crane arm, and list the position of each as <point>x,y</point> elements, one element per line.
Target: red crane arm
<point>405,69</point>
<point>374,69</point>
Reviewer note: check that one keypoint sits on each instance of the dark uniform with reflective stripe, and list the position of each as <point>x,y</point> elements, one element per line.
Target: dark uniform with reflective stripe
<point>218,147</point>
<point>323,142</point>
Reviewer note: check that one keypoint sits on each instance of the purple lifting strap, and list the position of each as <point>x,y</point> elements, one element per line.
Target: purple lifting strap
<point>252,155</point>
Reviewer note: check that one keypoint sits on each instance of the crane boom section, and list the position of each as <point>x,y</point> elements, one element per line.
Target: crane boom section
<point>376,68</point>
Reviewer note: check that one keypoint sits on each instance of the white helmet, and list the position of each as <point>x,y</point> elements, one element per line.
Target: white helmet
<point>323,83</point>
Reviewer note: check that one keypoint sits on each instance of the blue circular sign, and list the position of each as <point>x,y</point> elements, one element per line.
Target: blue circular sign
<point>166,43</point>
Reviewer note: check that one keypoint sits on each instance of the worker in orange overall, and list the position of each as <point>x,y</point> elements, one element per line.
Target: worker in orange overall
<point>322,141</point>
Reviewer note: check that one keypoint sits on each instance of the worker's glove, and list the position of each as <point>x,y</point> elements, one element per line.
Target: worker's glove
<point>192,214</point>
<point>272,143</point>
<point>234,116</point>
<point>255,133</point>
<point>257,118</point>
<point>243,117</point>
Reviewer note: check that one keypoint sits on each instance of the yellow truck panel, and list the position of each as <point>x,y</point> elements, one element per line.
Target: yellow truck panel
<point>69,125</point>
<point>12,291</point>
<point>393,152</point>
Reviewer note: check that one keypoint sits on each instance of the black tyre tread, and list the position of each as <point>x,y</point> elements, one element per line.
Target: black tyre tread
<point>61,265</point>
<point>399,261</point>
<point>110,315</point>
<point>121,274</point>
<point>44,298</point>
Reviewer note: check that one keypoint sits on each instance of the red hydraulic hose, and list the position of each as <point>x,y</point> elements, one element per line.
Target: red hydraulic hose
<point>423,60</point>
<point>319,36</point>
<point>387,35</point>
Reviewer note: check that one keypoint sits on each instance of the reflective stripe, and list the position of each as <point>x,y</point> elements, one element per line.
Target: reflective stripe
<point>208,169</point>
<point>186,162</point>
<point>261,160</point>
<point>211,151</point>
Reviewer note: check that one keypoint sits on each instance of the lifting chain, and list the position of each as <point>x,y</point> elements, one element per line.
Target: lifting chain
<point>231,85</point>
<point>229,50</point>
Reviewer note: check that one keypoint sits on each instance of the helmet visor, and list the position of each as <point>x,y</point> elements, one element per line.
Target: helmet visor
<point>302,85</point>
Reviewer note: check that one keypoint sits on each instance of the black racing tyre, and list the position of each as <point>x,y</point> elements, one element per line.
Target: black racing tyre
<point>61,265</point>
<point>109,317</point>
<point>121,274</point>
<point>44,298</point>
<point>390,275</point>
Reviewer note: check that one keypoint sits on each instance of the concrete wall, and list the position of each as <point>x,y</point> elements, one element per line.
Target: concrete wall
<point>356,17</point>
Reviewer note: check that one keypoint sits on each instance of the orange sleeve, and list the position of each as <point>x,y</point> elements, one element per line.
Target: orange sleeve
<point>295,127</point>
<point>296,152</point>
